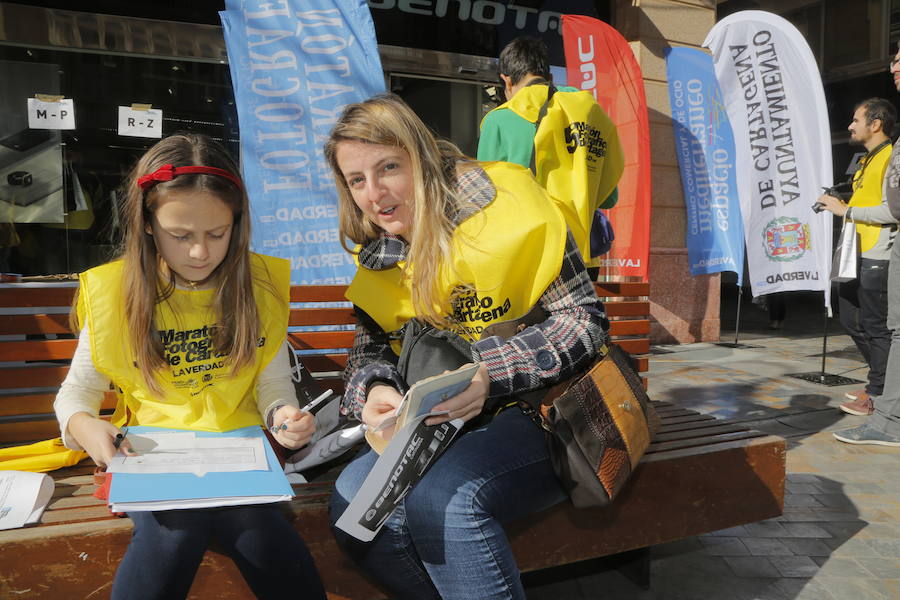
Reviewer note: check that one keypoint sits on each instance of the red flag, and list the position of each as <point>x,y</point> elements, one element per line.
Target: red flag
<point>599,59</point>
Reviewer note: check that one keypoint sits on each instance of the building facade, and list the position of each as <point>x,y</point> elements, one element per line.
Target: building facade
<point>439,55</point>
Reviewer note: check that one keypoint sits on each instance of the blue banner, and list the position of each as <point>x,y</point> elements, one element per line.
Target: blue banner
<point>704,144</point>
<point>294,65</point>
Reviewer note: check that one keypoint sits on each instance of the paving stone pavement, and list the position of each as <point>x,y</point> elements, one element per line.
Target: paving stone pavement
<point>839,535</point>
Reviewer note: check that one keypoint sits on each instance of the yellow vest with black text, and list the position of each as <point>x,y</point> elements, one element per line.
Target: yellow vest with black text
<point>577,155</point>
<point>508,253</point>
<point>867,191</point>
<point>199,390</point>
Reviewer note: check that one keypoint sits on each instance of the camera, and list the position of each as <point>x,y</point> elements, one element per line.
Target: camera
<point>834,190</point>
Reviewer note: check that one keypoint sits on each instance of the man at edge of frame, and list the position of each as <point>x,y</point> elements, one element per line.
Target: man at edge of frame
<point>883,426</point>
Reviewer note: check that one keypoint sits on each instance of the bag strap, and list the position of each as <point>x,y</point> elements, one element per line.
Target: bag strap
<point>551,89</point>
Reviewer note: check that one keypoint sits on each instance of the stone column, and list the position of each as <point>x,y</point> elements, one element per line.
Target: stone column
<point>683,309</point>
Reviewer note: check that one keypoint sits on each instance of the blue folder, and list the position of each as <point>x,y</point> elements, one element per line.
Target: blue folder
<point>169,491</point>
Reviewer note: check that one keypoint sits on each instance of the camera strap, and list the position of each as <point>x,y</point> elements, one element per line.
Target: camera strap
<point>864,162</point>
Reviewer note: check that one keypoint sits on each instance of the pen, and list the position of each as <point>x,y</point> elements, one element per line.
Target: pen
<point>119,437</point>
<point>312,407</point>
<point>315,404</point>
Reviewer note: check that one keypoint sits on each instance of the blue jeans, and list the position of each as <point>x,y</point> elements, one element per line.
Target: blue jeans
<point>446,539</point>
<point>167,547</point>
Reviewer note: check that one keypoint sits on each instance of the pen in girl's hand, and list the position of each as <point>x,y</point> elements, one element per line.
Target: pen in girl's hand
<point>119,438</point>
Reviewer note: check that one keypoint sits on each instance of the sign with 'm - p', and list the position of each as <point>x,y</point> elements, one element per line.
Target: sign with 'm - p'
<point>58,113</point>
<point>137,122</point>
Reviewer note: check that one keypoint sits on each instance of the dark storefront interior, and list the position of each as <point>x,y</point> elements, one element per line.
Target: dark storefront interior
<point>104,54</point>
<point>442,60</point>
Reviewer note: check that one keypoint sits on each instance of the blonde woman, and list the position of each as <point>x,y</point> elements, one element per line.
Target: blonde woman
<point>452,251</point>
<point>187,292</point>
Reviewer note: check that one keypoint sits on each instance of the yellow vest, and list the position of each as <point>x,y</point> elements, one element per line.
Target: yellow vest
<point>199,390</point>
<point>577,155</point>
<point>867,191</point>
<point>508,253</point>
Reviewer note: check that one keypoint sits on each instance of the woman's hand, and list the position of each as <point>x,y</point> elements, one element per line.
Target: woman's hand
<point>97,437</point>
<point>295,427</point>
<point>468,403</point>
<point>381,403</point>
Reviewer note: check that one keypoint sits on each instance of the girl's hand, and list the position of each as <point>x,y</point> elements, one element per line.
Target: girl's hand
<point>295,427</point>
<point>380,404</point>
<point>96,436</point>
<point>468,403</point>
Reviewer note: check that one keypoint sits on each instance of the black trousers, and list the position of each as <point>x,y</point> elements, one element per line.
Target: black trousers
<point>863,311</point>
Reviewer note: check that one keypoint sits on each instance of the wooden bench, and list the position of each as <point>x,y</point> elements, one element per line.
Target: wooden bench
<point>701,474</point>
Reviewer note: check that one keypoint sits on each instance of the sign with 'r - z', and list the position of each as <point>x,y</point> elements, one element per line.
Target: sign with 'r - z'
<point>145,123</point>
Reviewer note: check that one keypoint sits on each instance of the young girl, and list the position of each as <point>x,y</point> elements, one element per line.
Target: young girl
<point>448,248</point>
<point>187,292</point>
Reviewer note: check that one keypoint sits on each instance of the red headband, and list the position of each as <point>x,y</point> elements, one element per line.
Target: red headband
<point>168,173</point>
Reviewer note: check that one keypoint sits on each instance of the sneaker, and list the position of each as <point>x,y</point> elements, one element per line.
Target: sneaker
<point>866,435</point>
<point>862,405</point>
<point>775,324</point>
<point>854,395</point>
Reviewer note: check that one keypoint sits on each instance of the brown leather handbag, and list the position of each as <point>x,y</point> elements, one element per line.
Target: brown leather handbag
<point>599,424</point>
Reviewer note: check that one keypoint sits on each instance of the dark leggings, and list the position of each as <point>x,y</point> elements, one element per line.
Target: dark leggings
<point>167,547</point>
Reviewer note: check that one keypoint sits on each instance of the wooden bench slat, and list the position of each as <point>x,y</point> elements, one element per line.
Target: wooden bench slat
<point>321,340</point>
<point>22,432</point>
<point>335,384</point>
<point>697,433</point>
<point>317,363</point>
<point>696,442</point>
<point>636,346</point>
<point>31,324</point>
<point>53,295</point>
<point>629,327</point>
<point>31,377</point>
<point>318,293</point>
<point>689,419</point>
<point>627,308</point>
<point>619,289</point>
<point>321,316</point>
<point>30,404</point>
<point>37,350</point>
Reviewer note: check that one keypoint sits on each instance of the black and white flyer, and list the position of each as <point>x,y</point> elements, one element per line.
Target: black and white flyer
<point>408,455</point>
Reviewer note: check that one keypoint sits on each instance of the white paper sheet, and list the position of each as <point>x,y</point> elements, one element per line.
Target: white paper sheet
<point>188,453</point>
<point>23,497</point>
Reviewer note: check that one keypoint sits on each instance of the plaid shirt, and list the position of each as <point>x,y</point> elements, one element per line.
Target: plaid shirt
<point>537,357</point>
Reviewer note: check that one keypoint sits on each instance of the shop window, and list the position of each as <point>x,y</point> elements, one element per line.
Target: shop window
<point>59,189</point>
<point>452,109</point>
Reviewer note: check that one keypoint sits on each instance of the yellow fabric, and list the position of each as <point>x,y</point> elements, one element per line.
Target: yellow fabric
<point>867,191</point>
<point>199,390</point>
<point>508,253</point>
<point>39,457</point>
<point>578,158</point>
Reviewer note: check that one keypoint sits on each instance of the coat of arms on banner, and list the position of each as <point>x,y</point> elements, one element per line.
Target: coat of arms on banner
<point>786,239</point>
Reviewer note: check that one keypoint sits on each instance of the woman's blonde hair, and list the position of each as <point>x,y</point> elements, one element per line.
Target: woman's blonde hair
<point>386,120</point>
<point>237,329</point>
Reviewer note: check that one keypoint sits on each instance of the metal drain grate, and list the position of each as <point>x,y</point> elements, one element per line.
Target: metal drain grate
<point>824,378</point>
